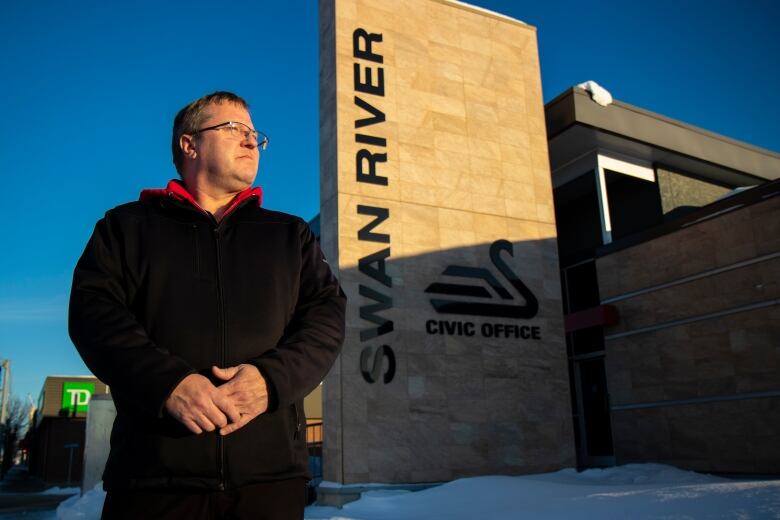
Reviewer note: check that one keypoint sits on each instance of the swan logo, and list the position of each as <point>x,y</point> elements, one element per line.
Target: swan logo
<point>525,310</point>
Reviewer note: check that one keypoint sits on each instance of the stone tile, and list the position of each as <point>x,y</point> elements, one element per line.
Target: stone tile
<point>465,387</point>
<point>390,464</point>
<point>470,410</point>
<point>427,387</point>
<point>437,474</point>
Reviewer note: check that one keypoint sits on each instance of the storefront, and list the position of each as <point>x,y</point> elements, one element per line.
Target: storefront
<point>56,437</point>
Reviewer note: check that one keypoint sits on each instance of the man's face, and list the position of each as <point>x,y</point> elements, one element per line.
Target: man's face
<point>228,162</point>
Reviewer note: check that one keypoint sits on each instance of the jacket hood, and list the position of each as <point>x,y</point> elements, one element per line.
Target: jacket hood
<point>176,190</point>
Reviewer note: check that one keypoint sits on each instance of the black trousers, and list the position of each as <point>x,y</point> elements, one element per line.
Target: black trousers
<point>280,500</point>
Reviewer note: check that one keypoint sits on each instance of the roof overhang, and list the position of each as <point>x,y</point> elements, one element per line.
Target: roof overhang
<point>577,127</point>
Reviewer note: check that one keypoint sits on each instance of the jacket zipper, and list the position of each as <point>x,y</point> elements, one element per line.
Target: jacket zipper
<point>196,260</point>
<point>222,327</point>
<point>297,422</point>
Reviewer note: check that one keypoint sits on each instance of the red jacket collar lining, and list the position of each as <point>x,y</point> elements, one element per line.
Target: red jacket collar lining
<point>176,190</point>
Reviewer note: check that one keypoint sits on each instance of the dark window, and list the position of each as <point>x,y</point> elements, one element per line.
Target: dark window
<point>588,340</point>
<point>595,404</point>
<point>577,216</point>
<point>634,204</point>
<point>582,287</point>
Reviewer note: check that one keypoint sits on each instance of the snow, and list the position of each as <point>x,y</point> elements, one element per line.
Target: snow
<point>28,515</point>
<point>329,484</point>
<point>85,507</point>
<point>636,491</point>
<point>735,191</point>
<point>61,491</point>
<point>597,93</point>
<point>483,10</point>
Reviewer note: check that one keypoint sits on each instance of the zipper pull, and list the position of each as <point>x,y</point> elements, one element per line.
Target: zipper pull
<point>297,423</point>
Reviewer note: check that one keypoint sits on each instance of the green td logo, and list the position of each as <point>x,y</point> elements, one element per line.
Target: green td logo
<point>76,395</point>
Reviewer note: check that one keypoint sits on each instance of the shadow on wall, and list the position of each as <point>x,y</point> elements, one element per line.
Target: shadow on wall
<point>454,364</point>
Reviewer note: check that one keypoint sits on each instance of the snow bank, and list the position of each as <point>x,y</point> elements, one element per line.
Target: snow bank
<point>61,491</point>
<point>636,491</point>
<point>85,507</point>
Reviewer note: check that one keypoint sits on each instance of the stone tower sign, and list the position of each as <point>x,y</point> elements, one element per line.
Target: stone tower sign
<point>437,214</point>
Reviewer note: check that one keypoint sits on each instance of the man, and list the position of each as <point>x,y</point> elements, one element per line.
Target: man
<point>210,318</point>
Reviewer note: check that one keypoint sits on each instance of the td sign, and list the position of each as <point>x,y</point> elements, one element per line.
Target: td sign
<point>76,396</point>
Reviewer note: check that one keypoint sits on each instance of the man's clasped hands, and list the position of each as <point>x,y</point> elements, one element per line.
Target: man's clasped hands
<point>201,406</point>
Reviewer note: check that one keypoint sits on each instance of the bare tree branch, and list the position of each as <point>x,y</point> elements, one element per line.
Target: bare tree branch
<point>14,429</point>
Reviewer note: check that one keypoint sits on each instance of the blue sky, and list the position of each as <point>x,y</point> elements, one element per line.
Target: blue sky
<point>91,87</point>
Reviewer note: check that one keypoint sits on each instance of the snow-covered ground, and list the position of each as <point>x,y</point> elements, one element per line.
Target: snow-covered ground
<point>635,491</point>
<point>62,491</point>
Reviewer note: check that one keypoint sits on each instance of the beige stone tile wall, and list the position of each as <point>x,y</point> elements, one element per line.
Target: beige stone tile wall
<point>331,392</point>
<point>684,342</point>
<point>727,436</point>
<point>734,354</point>
<point>466,165</point>
<point>733,237</point>
<point>720,291</point>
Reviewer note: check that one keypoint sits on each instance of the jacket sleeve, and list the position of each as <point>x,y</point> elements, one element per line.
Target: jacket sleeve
<point>312,340</point>
<point>113,344</point>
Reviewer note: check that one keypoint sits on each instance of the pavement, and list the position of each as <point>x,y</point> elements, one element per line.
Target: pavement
<point>20,492</point>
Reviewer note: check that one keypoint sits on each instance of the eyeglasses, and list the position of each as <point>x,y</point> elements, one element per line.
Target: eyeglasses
<point>239,130</point>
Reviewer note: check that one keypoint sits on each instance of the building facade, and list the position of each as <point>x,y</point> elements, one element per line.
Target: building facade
<point>669,240</point>
<point>449,198</point>
<point>693,366</point>
<point>57,433</point>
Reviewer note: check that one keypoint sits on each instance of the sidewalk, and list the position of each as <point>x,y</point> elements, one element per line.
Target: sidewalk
<point>20,492</point>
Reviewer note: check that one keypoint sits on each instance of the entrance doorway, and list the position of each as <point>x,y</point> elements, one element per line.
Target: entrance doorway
<point>594,425</point>
<point>585,348</point>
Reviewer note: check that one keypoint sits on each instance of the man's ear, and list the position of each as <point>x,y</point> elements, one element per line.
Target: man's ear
<point>187,145</point>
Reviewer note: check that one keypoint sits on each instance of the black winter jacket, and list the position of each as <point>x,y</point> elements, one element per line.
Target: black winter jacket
<point>163,291</point>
